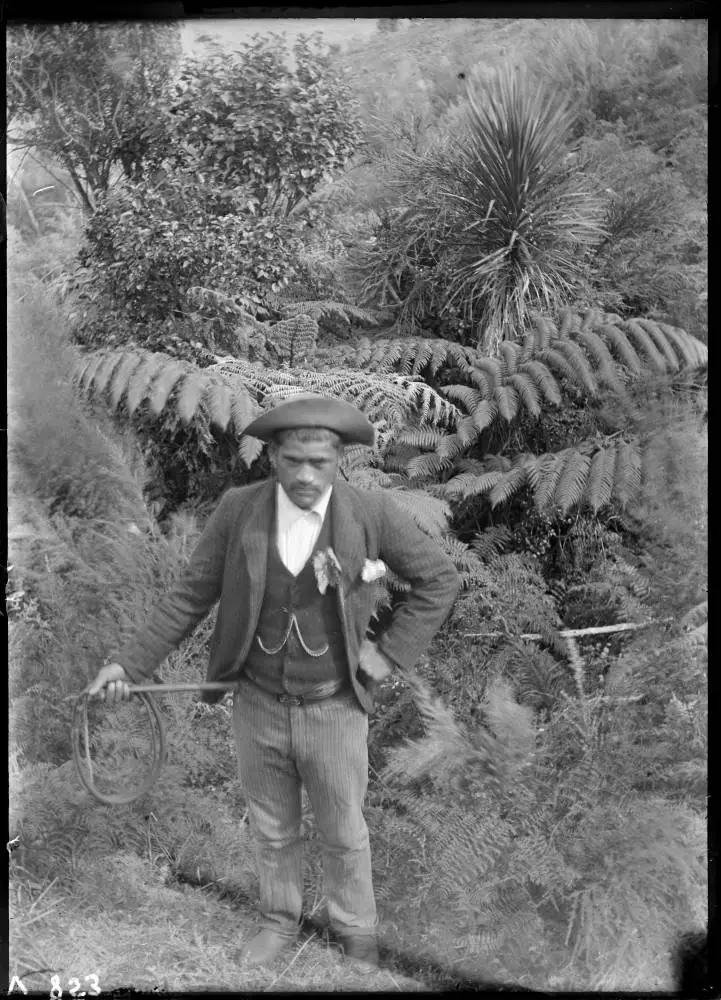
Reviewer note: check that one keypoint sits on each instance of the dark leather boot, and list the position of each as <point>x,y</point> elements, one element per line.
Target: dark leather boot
<point>264,948</point>
<point>360,950</point>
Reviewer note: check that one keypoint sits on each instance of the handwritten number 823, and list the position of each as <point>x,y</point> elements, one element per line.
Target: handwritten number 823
<point>74,987</point>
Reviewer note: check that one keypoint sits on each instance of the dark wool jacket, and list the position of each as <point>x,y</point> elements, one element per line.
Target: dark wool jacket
<point>229,565</point>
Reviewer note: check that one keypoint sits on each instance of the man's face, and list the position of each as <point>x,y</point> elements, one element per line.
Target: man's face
<point>305,469</point>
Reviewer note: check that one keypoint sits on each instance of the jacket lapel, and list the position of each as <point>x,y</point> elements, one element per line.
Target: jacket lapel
<point>255,536</point>
<point>348,537</point>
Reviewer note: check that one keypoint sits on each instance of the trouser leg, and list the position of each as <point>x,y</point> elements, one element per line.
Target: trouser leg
<point>272,789</point>
<point>331,743</point>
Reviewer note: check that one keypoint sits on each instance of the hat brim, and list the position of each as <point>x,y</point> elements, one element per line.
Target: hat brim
<point>312,410</point>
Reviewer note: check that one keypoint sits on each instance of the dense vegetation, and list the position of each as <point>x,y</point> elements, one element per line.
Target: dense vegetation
<point>505,270</point>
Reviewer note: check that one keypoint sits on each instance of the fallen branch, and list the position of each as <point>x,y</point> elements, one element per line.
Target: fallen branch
<point>573,633</point>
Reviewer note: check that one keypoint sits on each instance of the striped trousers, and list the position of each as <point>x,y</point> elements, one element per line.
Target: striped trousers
<point>323,746</point>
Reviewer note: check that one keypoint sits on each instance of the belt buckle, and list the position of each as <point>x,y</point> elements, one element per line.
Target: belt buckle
<point>290,699</point>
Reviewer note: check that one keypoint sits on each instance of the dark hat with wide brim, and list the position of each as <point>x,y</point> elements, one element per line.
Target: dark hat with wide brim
<point>310,409</point>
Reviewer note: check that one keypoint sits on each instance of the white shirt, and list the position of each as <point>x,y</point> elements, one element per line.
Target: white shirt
<point>298,529</point>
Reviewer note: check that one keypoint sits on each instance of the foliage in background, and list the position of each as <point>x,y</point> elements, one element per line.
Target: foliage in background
<point>490,221</point>
<point>92,96</point>
<point>178,260</point>
<point>252,119</point>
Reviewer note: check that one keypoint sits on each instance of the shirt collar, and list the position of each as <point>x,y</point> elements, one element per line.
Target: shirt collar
<point>289,513</point>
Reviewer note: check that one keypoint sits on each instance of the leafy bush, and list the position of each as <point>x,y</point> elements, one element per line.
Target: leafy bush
<point>92,95</point>
<point>252,118</point>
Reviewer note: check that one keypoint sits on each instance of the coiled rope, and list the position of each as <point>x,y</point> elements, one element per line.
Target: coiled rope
<point>83,761</point>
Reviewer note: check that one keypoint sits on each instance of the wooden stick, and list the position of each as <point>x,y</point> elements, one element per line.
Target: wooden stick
<point>185,686</point>
<point>575,632</point>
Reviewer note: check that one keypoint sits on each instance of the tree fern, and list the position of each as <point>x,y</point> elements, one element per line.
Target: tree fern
<point>543,475</point>
<point>601,477</point>
<point>605,366</point>
<point>527,392</point>
<point>543,379</point>
<point>510,484</point>
<point>430,513</point>
<point>623,347</point>
<point>467,484</point>
<point>506,399</point>
<point>490,542</point>
<point>121,375</point>
<point>570,488</point>
<point>410,355</point>
<point>166,380</point>
<point>319,309</point>
<point>140,381</point>
<point>627,472</point>
<point>645,342</point>
<point>570,360</point>
<point>389,400</point>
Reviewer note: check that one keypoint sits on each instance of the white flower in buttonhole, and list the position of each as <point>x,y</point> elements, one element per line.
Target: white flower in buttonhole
<point>373,569</point>
<point>328,570</point>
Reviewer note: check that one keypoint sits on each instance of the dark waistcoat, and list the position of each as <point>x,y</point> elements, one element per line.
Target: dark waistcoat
<point>294,615</point>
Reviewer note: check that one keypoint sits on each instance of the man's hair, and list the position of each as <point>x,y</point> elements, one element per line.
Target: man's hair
<point>308,434</point>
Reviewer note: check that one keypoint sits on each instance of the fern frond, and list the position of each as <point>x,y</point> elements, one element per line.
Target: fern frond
<point>567,319</point>
<point>545,329</point>
<point>411,356</point>
<point>527,392</point>
<point>543,476</point>
<point>484,414</point>
<point>660,341</point>
<point>469,397</point>
<point>320,308</point>
<point>218,404</point>
<point>556,360</point>
<point>467,485</point>
<point>106,371</point>
<point>164,383</point>
<point>506,399</point>
<point>121,377</point>
<point>481,380</point>
<point>141,380</point>
<point>491,542</point>
<point>363,354</point>
<point>591,318</point>
<point>627,472</point>
<point>543,378</point>
<point>641,339</point>
<point>390,401</point>
<point>419,437</point>
<point>492,368</point>
<point>249,449</point>
<point>624,349</point>
<point>510,484</point>
<point>579,362</point>
<point>510,354</point>
<point>430,513</point>
<point>601,477</point>
<point>572,480</point>
<point>687,347</point>
<point>190,394</point>
<point>88,370</point>
<point>605,365</point>
<point>428,465</point>
<point>243,409</point>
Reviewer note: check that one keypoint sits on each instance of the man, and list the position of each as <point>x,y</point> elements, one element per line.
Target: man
<point>289,560</point>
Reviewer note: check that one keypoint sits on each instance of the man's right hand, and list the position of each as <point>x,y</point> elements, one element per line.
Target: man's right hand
<point>111,684</point>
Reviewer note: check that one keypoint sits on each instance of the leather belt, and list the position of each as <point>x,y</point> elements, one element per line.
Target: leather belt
<point>319,693</point>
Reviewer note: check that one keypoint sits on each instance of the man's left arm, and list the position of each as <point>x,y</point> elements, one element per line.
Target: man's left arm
<point>434,580</point>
